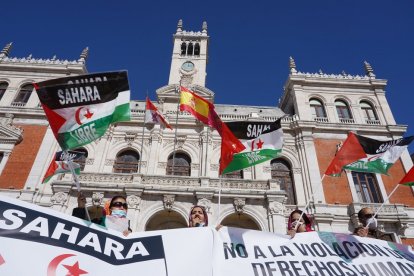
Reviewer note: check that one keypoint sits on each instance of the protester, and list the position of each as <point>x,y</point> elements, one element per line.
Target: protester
<point>298,226</point>
<point>114,218</point>
<point>198,217</point>
<point>368,223</point>
<point>95,213</point>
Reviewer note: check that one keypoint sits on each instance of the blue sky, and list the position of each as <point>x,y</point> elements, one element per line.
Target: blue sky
<point>250,42</point>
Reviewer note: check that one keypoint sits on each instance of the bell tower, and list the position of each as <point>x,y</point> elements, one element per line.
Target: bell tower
<point>190,56</point>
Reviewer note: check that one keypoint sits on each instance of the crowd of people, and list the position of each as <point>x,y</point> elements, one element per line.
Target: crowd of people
<point>114,216</point>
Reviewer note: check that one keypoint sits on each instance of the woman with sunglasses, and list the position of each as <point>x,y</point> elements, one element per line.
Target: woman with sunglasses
<point>298,223</point>
<point>114,217</point>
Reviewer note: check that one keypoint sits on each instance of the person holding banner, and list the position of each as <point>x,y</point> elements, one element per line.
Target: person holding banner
<point>298,222</point>
<point>198,217</point>
<point>369,224</point>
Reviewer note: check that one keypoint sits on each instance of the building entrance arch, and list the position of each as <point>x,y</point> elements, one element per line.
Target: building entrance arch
<point>163,220</point>
<point>240,221</point>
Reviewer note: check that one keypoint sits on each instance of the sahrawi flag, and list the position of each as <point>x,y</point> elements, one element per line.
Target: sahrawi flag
<point>363,154</point>
<point>263,142</point>
<point>61,164</point>
<point>408,179</point>
<point>81,108</point>
<point>153,116</point>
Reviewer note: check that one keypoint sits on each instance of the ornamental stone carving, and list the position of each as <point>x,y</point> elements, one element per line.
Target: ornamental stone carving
<point>276,208</point>
<point>89,161</point>
<point>214,167</point>
<point>168,201</point>
<point>239,204</point>
<point>109,162</point>
<point>216,145</point>
<point>162,165</point>
<point>181,141</point>
<point>59,198</point>
<point>195,166</point>
<point>297,170</point>
<point>133,201</point>
<point>97,198</point>
<point>267,169</point>
<point>206,203</point>
<point>130,137</point>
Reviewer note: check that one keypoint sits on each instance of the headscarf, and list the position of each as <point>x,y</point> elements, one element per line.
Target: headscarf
<point>308,224</point>
<point>190,219</point>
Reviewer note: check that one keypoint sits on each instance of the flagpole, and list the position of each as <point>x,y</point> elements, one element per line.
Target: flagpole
<point>76,180</point>
<point>219,201</point>
<point>312,198</point>
<point>385,201</point>
<point>142,136</point>
<point>205,165</point>
<point>176,127</point>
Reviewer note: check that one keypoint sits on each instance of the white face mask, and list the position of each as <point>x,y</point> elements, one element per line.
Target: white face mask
<point>372,223</point>
<point>119,213</point>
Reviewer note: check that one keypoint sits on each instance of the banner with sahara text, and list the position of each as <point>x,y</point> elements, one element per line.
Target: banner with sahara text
<point>39,241</point>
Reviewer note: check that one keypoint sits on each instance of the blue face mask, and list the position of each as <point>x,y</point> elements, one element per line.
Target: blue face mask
<point>199,224</point>
<point>119,213</point>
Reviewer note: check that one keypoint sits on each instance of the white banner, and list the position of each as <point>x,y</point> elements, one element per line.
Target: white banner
<point>39,241</point>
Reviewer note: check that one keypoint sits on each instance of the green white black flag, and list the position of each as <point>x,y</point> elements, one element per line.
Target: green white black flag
<point>263,142</point>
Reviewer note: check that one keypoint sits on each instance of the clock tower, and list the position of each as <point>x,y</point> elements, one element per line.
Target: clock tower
<point>189,59</point>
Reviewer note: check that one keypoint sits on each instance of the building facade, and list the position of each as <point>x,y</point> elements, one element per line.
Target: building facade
<point>136,160</point>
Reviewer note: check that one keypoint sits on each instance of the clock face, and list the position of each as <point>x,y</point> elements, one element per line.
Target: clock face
<point>187,66</point>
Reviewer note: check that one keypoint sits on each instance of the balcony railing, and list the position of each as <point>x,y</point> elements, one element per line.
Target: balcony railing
<point>321,119</point>
<point>347,121</point>
<point>373,122</point>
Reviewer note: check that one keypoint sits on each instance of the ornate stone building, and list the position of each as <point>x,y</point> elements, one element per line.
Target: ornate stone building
<point>136,160</point>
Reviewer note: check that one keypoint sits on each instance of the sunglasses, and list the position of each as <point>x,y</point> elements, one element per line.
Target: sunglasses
<point>368,216</point>
<point>119,204</point>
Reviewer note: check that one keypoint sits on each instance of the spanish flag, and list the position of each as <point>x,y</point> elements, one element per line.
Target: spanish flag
<point>204,111</point>
<point>199,107</point>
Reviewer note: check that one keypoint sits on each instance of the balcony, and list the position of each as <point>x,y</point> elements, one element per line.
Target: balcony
<point>347,121</point>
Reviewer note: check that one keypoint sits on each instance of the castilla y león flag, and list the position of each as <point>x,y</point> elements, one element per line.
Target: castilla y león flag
<point>263,142</point>
<point>153,116</point>
<point>364,154</point>
<point>81,108</point>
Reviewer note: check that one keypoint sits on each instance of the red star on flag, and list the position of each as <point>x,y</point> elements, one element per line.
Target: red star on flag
<point>74,270</point>
<point>2,261</point>
<point>259,144</point>
<point>88,114</point>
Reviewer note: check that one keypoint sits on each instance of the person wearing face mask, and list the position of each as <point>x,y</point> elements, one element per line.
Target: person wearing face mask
<point>369,224</point>
<point>114,217</point>
<point>298,222</point>
<point>198,217</point>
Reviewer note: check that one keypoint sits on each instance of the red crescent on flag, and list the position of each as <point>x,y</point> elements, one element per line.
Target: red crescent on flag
<point>77,114</point>
<point>51,269</point>
<point>65,166</point>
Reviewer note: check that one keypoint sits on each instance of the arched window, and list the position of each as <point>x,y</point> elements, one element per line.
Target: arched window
<point>126,162</point>
<point>166,220</point>
<point>3,88</point>
<point>318,111</point>
<point>235,175</point>
<point>197,49</point>
<point>366,187</point>
<point>23,95</point>
<point>343,110</point>
<point>240,221</point>
<point>368,112</point>
<point>183,48</point>
<point>283,174</point>
<point>190,49</point>
<point>82,159</point>
<point>182,164</point>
